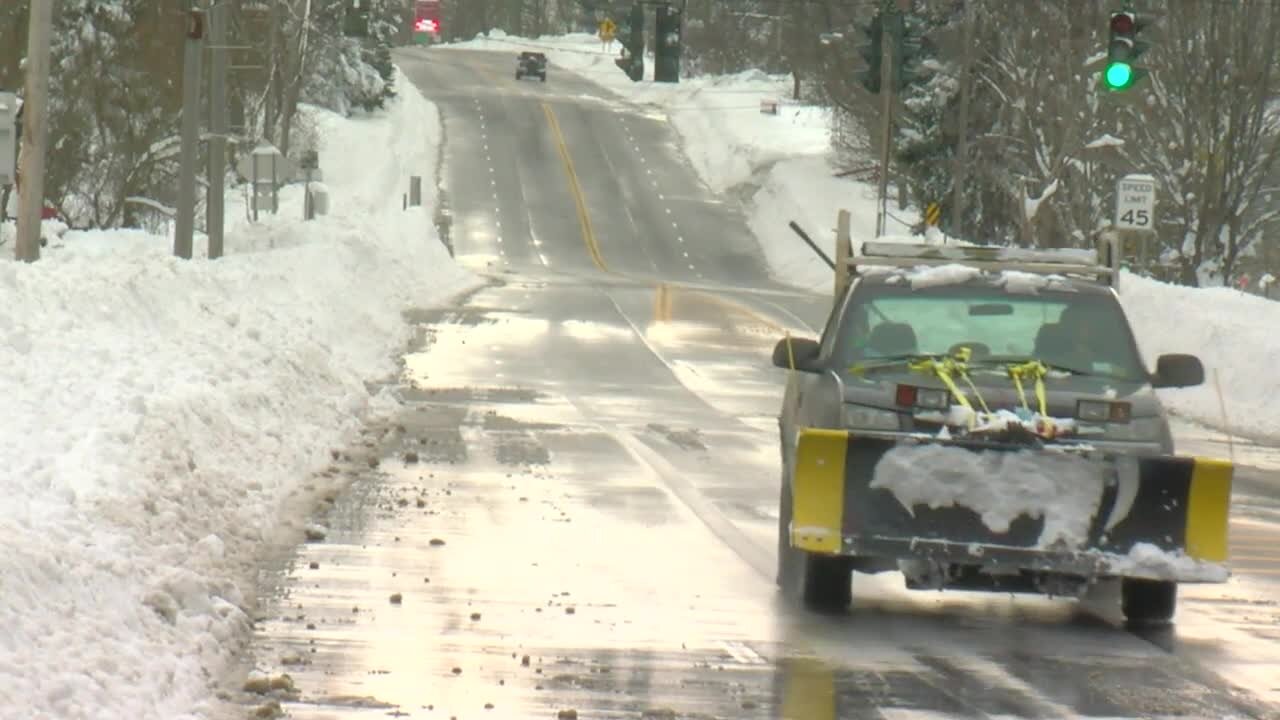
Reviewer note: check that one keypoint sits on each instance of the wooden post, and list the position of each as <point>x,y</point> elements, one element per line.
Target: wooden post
<point>35,133</point>
<point>844,251</point>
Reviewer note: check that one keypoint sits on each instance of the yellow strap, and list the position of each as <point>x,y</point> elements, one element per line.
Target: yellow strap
<point>963,371</point>
<point>791,353</point>
<point>1036,370</point>
<point>958,364</point>
<point>1044,409</point>
<point>1017,385</point>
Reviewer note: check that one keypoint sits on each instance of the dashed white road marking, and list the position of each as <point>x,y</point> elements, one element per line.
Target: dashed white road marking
<point>742,652</point>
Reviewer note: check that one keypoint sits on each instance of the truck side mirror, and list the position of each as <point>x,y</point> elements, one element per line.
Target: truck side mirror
<point>1178,370</point>
<point>795,352</point>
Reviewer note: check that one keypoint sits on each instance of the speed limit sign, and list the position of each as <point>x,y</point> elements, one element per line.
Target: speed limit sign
<point>1136,202</point>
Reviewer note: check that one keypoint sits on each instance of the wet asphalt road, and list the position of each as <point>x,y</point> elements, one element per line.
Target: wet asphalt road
<point>575,515</point>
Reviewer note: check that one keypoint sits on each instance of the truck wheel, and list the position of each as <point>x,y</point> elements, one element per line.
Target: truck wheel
<point>1148,602</point>
<point>517,76</point>
<point>818,582</point>
<point>543,77</point>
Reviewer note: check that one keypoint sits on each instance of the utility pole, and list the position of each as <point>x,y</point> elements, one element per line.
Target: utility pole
<point>35,132</point>
<point>184,223</point>
<point>890,30</point>
<point>962,143</point>
<point>272,65</point>
<point>215,214</point>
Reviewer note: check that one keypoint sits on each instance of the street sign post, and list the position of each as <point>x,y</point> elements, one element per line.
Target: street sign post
<point>267,169</point>
<point>310,166</point>
<point>1135,202</point>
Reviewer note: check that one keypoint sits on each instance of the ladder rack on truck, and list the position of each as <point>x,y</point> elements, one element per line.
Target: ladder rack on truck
<point>1101,265</point>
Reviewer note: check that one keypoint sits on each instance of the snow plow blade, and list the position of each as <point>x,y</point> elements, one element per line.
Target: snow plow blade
<point>1056,509</point>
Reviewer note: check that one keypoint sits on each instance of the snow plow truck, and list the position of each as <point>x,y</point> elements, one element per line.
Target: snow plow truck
<point>980,418</point>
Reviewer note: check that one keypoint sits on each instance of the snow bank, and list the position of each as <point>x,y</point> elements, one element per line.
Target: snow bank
<point>1232,332</point>
<point>999,486</point>
<point>161,415</point>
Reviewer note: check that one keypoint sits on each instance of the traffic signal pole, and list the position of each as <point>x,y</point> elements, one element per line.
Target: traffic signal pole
<point>193,48</point>
<point>215,212</point>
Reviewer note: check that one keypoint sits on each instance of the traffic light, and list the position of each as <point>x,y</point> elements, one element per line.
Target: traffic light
<point>872,51</point>
<point>667,46</point>
<point>1123,49</point>
<point>632,34</point>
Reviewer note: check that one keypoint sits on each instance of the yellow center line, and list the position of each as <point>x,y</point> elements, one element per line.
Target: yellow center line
<point>664,299</point>
<point>575,189</point>
<point>662,303</point>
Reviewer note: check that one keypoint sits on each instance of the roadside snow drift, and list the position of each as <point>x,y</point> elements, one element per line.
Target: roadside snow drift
<point>161,415</point>
<point>1237,337</point>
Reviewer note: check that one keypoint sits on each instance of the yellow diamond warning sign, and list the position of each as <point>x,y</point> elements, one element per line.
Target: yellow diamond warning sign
<point>932,214</point>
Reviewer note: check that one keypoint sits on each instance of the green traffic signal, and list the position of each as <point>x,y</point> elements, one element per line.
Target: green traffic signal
<point>1123,48</point>
<point>1119,75</point>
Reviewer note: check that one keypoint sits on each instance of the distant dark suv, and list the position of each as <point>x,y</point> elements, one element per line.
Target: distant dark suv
<point>532,64</point>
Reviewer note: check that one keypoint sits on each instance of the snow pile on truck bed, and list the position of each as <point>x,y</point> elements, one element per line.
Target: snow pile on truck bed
<point>161,415</point>
<point>1065,490</point>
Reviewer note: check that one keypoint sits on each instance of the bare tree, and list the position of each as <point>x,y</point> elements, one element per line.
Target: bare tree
<point>1211,134</point>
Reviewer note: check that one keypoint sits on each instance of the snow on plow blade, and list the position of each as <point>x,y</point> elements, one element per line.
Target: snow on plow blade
<point>1070,511</point>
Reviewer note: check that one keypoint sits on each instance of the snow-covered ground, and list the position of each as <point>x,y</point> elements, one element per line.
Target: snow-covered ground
<point>164,419</point>
<point>784,160</point>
